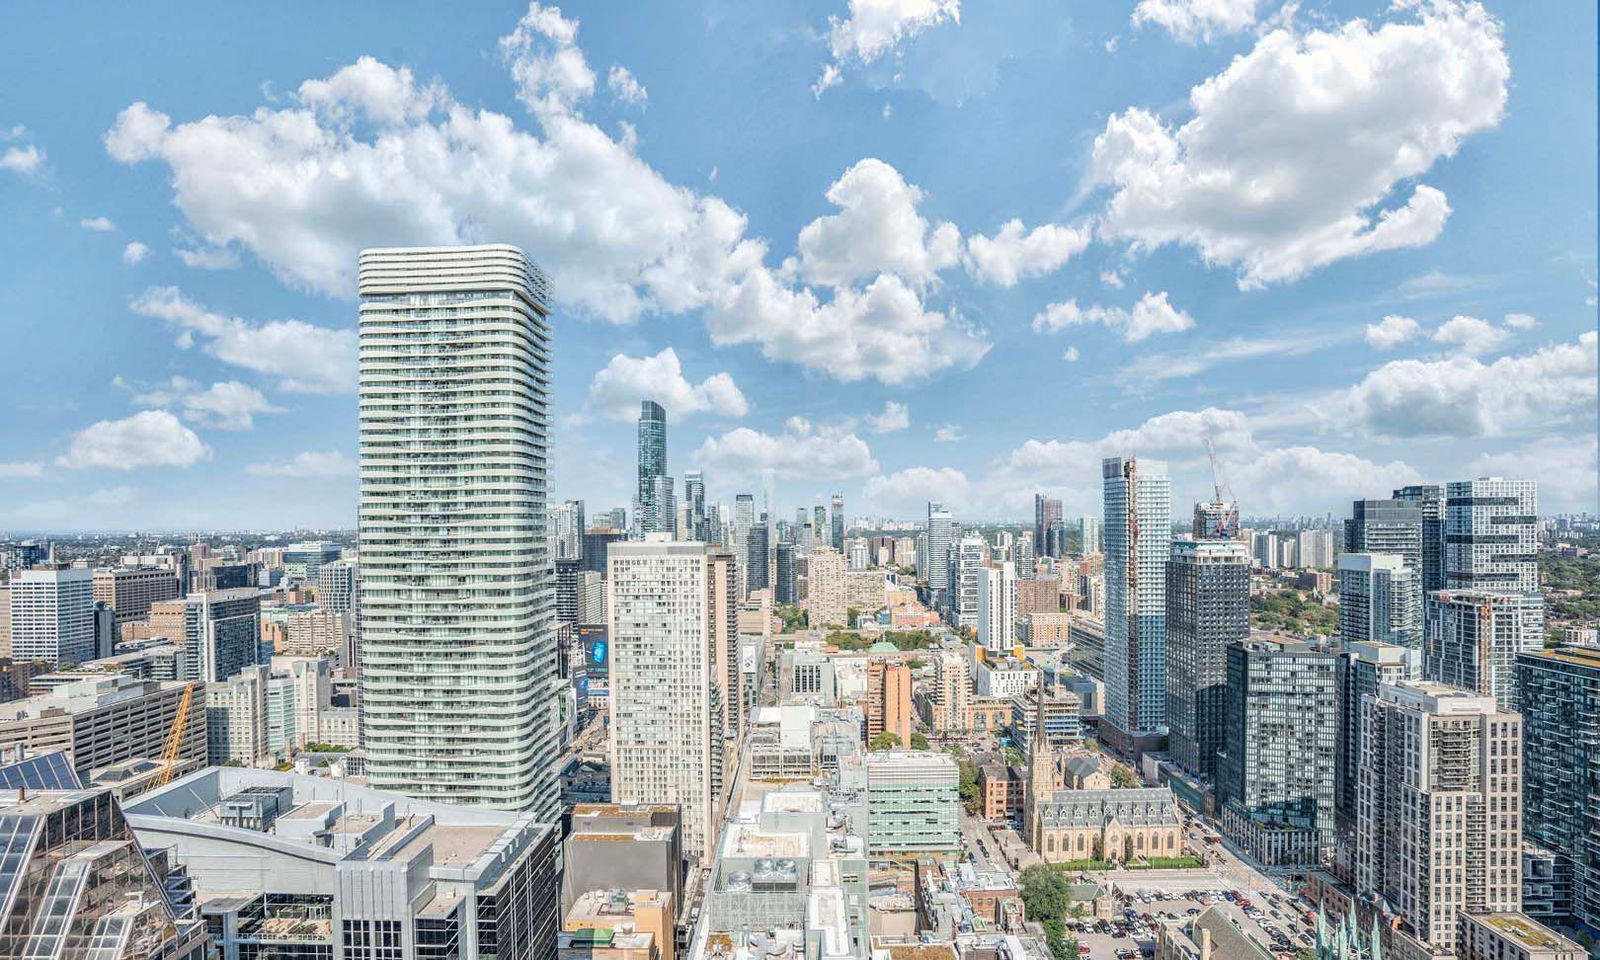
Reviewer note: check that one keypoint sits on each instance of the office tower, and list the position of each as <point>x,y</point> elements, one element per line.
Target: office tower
<point>997,606</point>
<point>836,517</point>
<point>888,701</point>
<point>459,679</point>
<point>856,556</point>
<point>1138,544</point>
<point>129,591</point>
<point>1092,535</point>
<point>1316,549</point>
<point>566,525</point>
<point>1386,526</point>
<point>967,560</point>
<point>1023,556</point>
<point>78,883</point>
<point>694,497</point>
<point>423,881</point>
<point>1275,775</point>
<point>236,718</point>
<point>1363,666</point>
<point>592,597</point>
<point>1430,498</point>
<point>783,587</point>
<point>825,603</point>
<point>1208,607</point>
<point>941,534</point>
<point>1474,636</point>
<point>913,802</point>
<point>1438,824</point>
<point>1216,520</point>
<point>755,550</point>
<point>658,511</point>
<point>744,520</point>
<point>597,543</point>
<point>1491,535</point>
<point>1046,512</point>
<point>105,719</point>
<point>568,599</point>
<point>650,515</point>
<point>303,560</point>
<point>220,631</point>
<point>1379,599</point>
<point>337,588</point>
<point>1560,695</point>
<point>52,615</point>
<point>667,711</point>
<point>951,695</point>
<point>24,554</point>
<point>1264,549</point>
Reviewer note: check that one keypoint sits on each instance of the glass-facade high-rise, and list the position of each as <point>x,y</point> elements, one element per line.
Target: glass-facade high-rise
<point>1491,535</point>
<point>1138,543</point>
<point>460,682</point>
<point>651,515</point>
<point>1430,498</point>
<point>836,519</point>
<point>1208,607</point>
<point>1386,526</point>
<point>1560,695</point>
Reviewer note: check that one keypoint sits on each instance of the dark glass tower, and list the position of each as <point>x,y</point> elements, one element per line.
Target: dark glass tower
<point>1430,497</point>
<point>1208,607</point>
<point>1386,526</point>
<point>652,516</point>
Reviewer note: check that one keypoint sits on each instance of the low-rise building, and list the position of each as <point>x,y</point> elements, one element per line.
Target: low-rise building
<point>105,719</point>
<point>1000,791</point>
<point>1512,936</point>
<point>620,925</point>
<point>281,861</point>
<point>77,884</point>
<point>913,802</point>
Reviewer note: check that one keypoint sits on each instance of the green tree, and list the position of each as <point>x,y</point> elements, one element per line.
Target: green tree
<point>1046,895</point>
<point>918,741</point>
<point>968,774</point>
<point>886,740</point>
<point>1122,778</point>
<point>852,617</point>
<point>1014,757</point>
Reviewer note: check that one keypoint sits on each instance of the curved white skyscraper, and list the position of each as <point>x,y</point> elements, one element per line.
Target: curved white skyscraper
<point>458,651</point>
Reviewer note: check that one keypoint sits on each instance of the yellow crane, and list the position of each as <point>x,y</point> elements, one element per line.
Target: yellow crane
<point>169,754</point>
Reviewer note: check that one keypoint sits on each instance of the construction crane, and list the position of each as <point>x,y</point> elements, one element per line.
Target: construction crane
<point>169,754</point>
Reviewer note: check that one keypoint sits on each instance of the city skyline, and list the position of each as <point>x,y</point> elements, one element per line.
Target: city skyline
<point>1326,352</point>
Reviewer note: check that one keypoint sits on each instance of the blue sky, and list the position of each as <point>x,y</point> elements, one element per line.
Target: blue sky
<point>902,249</point>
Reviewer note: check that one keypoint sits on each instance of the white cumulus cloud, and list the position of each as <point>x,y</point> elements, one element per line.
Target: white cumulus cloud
<point>1194,21</point>
<point>135,252</point>
<point>877,230</point>
<point>26,160</point>
<point>801,451</point>
<point>618,387</point>
<point>229,405</point>
<point>1152,314</point>
<point>1471,335</point>
<point>305,358</point>
<point>1016,252</point>
<point>1301,151</point>
<point>150,438</point>
<point>97,224</point>
<point>369,156</point>
<point>875,27</point>
<point>907,492</point>
<point>895,416</point>
<point>625,86</point>
<point>1391,331</point>
<point>1461,396</point>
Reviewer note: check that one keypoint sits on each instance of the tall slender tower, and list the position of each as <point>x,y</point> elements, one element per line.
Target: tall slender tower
<point>1138,539</point>
<point>649,514</point>
<point>836,519</point>
<point>458,645</point>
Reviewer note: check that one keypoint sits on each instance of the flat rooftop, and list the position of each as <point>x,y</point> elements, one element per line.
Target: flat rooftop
<point>1524,931</point>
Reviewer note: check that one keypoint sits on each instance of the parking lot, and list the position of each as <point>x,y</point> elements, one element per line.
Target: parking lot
<point>1175,895</point>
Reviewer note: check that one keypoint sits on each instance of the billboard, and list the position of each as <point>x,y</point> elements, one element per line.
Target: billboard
<point>595,641</point>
